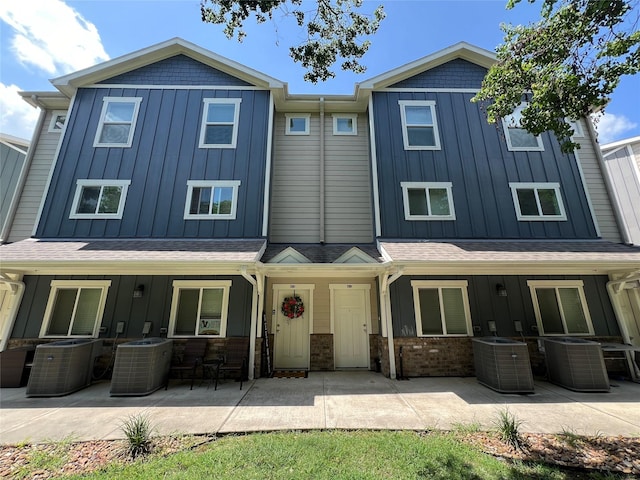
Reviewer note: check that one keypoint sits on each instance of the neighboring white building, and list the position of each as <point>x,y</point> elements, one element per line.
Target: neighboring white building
<point>622,160</point>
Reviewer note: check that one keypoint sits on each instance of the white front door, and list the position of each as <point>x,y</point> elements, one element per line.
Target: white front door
<point>351,322</point>
<point>291,350</point>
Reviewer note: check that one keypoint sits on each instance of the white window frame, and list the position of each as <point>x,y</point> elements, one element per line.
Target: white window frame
<point>440,284</point>
<point>515,186</point>
<point>225,285</point>
<point>236,120</point>
<point>405,134</point>
<point>577,128</point>
<point>354,123</point>
<point>134,118</point>
<point>80,184</point>
<point>427,186</point>
<point>213,184</point>
<point>307,120</point>
<point>513,121</point>
<point>557,284</point>
<point>79,284</point>
<point>57,125</point>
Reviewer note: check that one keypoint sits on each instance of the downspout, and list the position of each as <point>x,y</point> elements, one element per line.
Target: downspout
<point>322,172</point>
<point>17,291</point>
<point>13,208</point>
<point>608,184</point>
<point>385,301</point>
<point>254,321</point>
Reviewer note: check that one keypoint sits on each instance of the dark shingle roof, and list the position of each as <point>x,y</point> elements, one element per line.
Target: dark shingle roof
<point>317,253</point>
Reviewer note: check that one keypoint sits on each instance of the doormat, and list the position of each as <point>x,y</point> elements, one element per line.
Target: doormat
<point>290,374</point>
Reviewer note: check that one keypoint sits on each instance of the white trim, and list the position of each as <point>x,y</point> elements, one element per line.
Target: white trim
<point>514,121</point>
<point>585,188</point>
<point>619,143</point>
<point>426,186</point>
<point>56,157</point>
<point>268,163</point>
<point>403,117</point>
<point>53,125</point>
<point>374,169</point>
<point>204,123</point>
<point>349,116</point>
<point>79,285</point>
<point>81,184</point>
<point>106,101</point>
<point>290,256</point>
<point>213,184</point>
<point>556,284</point>
<point>463,285</point>
<point>287,123</point>
<point>354,253</point>
<point>174,87</point>
<point>578,131</point>
<point>515,186</point>
<point>225,285</point>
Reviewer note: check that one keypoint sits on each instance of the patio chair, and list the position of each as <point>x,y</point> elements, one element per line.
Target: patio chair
<point>236,360</point>
<point>190,359</point>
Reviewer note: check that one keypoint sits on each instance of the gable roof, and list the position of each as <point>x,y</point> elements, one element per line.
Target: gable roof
<point>463,50</point>
<point>68,84</point>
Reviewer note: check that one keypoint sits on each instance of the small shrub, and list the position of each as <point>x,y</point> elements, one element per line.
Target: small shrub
<point>570,437</point>
<point>137,429</point>
<point>509,428</point>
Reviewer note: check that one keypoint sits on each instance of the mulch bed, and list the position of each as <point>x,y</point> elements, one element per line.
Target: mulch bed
<point>584,454</point>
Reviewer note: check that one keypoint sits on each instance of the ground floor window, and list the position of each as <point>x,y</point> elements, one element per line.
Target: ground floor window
<point>560,307</point>
<point>75,308</point>
<point>199,308</point>
<point>441,307</point>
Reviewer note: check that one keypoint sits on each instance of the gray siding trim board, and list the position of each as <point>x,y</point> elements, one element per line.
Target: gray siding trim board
<point>174,87</point>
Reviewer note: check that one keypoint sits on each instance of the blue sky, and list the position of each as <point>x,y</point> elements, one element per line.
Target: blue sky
<point>44,39</point>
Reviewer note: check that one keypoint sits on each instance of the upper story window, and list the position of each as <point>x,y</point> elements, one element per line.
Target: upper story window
<point>220,123</point>
<point>419,125</point>
<point>99,199</point>
<point>199,308</point>
<point>297,124</point>
<point>211,199</point>
<point>518,139</point>
<point>58,119</point>
<point>427,201</point>
<point>75,308</point>
<point>117,122</point>
<point>560,307</point>
<point>345,124</point>
<point>538,201</point>
<point>441,307</point>
<point>577,128</point>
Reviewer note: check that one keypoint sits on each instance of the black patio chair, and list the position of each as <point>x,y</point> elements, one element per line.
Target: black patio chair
<point>190,359</point>
<point>236,360</point>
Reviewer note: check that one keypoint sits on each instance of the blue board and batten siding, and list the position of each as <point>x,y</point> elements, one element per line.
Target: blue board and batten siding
<point>475,158</point>
<point>485,305</point>
<point>120,306</point>
<point>164,155</point>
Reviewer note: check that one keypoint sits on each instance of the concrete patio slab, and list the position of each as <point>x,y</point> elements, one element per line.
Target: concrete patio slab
<point>324,400</point>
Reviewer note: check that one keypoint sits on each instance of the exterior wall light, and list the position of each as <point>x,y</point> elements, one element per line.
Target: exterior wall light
<point>138,292</point>
<point>501,291</point>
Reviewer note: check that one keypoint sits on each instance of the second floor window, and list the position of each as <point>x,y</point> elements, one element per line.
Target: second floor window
<point>419,125</point>
<point>518,139</point>
<point>207,199</point>
<point>220,123</point>
<point>538,201</point>
<point>99,199</point>
<point>297,124</point>
<point>345,124</point>
<point>427,201</point>
<point>117,122</point>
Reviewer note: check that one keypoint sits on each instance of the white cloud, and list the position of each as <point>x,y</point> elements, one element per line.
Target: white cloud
<point>52,36</point>
<point>17,118</point>
<point>611,127</point>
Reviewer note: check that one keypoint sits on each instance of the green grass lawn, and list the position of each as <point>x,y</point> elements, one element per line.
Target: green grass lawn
<point>332,455</point>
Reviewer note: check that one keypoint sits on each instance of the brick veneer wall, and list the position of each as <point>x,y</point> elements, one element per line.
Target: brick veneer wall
<point>321,352</point>
<point>434,357</point>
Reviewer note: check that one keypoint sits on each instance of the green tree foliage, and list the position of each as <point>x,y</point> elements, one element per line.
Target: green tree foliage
<point>334,30</point>
<point>566,65</point>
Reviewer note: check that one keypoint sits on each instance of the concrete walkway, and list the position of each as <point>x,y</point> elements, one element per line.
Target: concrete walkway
<point>332,400</point>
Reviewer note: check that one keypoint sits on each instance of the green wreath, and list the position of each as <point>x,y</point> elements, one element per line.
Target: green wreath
<point>292,307</point>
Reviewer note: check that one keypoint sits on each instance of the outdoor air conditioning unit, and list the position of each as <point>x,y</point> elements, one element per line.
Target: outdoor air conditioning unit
<point>63,367</point>
<point>141,367</point>
<point>576,364</point>
<point>503,364</point>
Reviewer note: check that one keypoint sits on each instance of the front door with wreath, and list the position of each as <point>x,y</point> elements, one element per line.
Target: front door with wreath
<point>291,328</point>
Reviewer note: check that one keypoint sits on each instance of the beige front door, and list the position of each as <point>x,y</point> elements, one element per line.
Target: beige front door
<point>291,349</point>
<point>351,324</point>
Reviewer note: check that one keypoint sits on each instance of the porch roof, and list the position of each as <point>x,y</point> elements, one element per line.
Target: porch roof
<point>318,253</point>
<point>37,255</point>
